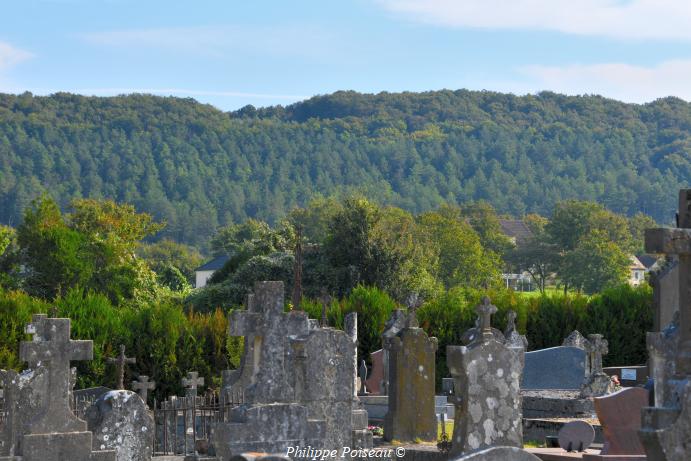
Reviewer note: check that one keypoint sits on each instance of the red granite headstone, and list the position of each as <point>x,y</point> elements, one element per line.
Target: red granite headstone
<point>376,376</point>
<point>620,417</point>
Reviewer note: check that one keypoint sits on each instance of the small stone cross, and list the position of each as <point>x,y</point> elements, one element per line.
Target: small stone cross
<point>120,362</point>
<point>510,323</point>
<point>191,382</point>
<point>597,347</point>
<point>325,300</point>
<point>485,310</point>
<point>142,386</point>
<point>413,302</point>
<point>54,351</point>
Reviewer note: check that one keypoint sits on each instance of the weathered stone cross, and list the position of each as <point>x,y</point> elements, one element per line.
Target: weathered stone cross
<point>485,310</point>
<point>596,347</point>
<point>54,351</point>
<point>120,362</point>
<point>142,386</point>
<point>191,382</point>
<point>510,323</point>
<point>413,302</point>
<point>325,300</point>
<point>677,241</point>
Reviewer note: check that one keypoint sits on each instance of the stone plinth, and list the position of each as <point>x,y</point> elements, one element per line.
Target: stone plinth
<point>410,414</point>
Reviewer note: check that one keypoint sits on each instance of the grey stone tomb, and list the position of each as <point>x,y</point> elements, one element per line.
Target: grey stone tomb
<point>554,368</point>
<point>598,383</point>
<point>487,377</point>
<point>666,428</point>
<point>53,433</point>
<point>411,362</point>
<point>120,421</point>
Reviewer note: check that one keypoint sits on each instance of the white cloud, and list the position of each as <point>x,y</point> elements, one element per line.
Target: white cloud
<point>218,40</point>
<point>623,19</point>
<point>615,80</point>
<point>11,56</point>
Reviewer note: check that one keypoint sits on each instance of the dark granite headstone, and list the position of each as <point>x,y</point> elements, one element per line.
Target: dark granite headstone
<point>554,368</point>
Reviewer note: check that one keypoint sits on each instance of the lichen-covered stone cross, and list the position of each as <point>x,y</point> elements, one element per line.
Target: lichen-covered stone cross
<point>485,310</point>
<point>192,382</point>
<point>121,361</point>
<point>142,386</point>
<point>597,347</point>
<point>54,351</point>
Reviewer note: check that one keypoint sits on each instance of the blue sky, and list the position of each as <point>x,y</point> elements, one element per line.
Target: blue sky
<point>232,53</point>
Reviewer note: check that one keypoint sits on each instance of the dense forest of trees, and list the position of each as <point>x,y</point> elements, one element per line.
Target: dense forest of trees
<point>198,168</point>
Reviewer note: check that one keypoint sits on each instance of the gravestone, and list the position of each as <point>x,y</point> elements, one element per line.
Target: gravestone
<point>362,372</point>
<point>235,381</point>
<point>576,436</point>
<point>271,418</point>
<point>513,337</point>
<point>376,377</point>
<point>191,383</point>
<point>499,454</point>
<point>142,387</point>
<point>576,339</point>
<point>54,433</point>
<point>554,368</point>
<point>411,415</point>
<point>120,421</point>
<point>487,377</point>
<point>474,334</point>
<point>666,428</point>
<point>598,383</point>
<point>121,361</point>
<point>662,349</point>
<point>393,326</point>
<point>620,417</point>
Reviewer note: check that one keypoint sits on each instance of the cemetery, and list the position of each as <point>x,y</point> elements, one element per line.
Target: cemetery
<point>301,393</point>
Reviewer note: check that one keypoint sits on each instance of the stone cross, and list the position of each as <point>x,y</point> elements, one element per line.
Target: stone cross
<point>677,241</point>
<point>597,347</point>
<point>413,302</point>
<point>191,382</point>
<point>485,310</point>
<point>142,386</point>
<point>510,323</point>
<point>350,327</point>
<point>325,300</point>
<point>54,351</point>
<point>121,361</point>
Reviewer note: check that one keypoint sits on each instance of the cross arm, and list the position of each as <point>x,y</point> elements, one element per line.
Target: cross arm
<point>668,240</point>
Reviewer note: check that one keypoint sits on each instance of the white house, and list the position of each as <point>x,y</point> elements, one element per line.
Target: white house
<point>637,272</point>
<point>204,272</point>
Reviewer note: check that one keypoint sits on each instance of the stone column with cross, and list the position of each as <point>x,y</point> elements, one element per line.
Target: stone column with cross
<point>121,362</point>
<point>513,337</point>
<point>191,384</point>
<point>56,429</point>
<point>666,428</point>
<point>487,376</point>
<point>142,386</point>
<point>597,383</point>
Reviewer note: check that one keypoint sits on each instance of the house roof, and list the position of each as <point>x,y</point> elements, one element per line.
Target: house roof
<point>214,265</point>
<point>648,260</point>
<point>515,228</point>
<point>636,264</point>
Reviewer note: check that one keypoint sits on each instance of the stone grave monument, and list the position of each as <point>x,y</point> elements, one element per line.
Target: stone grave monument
<point>361,435</point>
<point>121,362</point>
<point>120,421</point>
<point>272,375</point>
<point>666,427</point>
<point>487,377</point>
<point>411,363</point>
<point>513,337</point>
<point>53,433</point>
<point>142,386</point>
<point>597,383</point>
<point>620,417</point>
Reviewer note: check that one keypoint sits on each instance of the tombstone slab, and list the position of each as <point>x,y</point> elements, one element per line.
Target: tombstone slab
<point>120,421</point>
<point>411,415</point>
<point>619,415</point>
<point>499,454</point>
<point>376,377</point>
<point>576,436</point>
<point>554,368</point>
